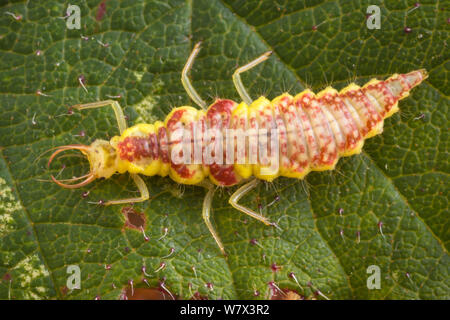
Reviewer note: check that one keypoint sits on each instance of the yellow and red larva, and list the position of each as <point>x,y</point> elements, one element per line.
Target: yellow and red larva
<point>313,131</point>
<point>321,127</point>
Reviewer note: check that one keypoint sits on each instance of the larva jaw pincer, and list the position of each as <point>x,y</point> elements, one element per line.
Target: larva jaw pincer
<point>102,160</point>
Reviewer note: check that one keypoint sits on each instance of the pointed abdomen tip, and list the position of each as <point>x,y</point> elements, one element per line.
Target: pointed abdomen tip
<point>424,73</point>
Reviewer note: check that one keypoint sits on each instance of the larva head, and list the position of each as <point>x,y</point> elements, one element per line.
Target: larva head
<point>102,160</point>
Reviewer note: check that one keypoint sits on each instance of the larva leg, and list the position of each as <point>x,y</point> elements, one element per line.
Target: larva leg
<point>206,213</point>
<point>239,194</point>
<point>114,104</point>
<point>185,79</point>
<point>142,189</point>
<point>237,77</point>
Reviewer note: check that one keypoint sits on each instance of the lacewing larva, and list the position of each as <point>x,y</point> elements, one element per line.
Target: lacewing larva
<point>307,132</point>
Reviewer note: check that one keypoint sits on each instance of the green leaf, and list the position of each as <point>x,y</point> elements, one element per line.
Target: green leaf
<point>400,180</point>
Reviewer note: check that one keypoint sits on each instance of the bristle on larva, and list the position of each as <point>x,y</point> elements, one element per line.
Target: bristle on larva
<point>312,132</point>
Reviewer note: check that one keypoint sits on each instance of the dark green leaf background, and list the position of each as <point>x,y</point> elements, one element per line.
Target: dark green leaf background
<point>401,179</point>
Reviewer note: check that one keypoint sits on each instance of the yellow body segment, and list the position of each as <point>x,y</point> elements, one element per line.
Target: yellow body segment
<point>242,167</point>
<point>262,109</point>
<point>189,116</point>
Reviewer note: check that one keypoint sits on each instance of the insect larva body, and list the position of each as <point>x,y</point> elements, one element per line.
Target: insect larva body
<point>314,131</point>
<point>228,143</point>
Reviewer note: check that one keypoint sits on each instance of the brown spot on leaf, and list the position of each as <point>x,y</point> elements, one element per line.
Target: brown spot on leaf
<point>64,290</point>
<point>198,296</point>
<point>7,277</point>
<point>286,294</point>
<point>134,219</point>
<point>147,294</point>
<point>101,11</point>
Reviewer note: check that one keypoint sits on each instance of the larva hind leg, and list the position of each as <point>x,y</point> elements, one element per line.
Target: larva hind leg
<point>239,194</point>
<point>237,77</point>
<point>206,212</point>
<point>142,189</point>
<point>121,122</point>
<point>185,78</point>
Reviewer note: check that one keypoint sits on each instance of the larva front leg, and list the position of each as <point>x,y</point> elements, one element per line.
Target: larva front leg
<point>120,117</point>
<point>237,77</point>
<point>143,190</point>
<point>185,78</point>
<point>100,154</point>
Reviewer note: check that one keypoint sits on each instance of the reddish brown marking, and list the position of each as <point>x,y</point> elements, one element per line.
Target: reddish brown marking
<point>405,84</point>
<point>182,170</point>
<point>147,294</point>
<point>283,140</point>
<point>219,117</point>
<point>389,99</point>
<point>311,140</point>
<point>209,285</point>
<point>198,296</point>
<point>135,148</point>
<point>64,290</point>
<point>163,144</point>
<point>224,174</point>
<point>373,91</point>
<point>173,122</point>
<point>380,89</point>
<point>286,294</point>
<point>319,122</point>
<point>239,123</point>
<point>275,268</point>
<point>200,136</point>
<point>369,112</point>
<point>219,113</point>
<point>296,137</point>
<point>134,219</point>
<point>101,11</point>
<point>267,122</point>
<point>347,130</point>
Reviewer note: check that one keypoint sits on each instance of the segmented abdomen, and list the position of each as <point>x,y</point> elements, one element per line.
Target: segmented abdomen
<point>303,133</point>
